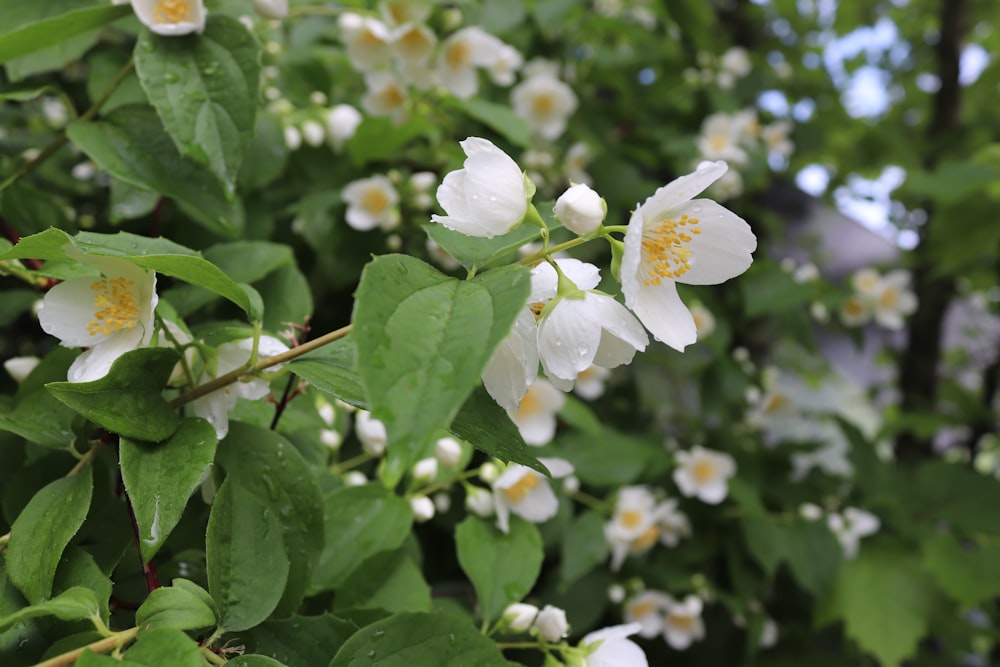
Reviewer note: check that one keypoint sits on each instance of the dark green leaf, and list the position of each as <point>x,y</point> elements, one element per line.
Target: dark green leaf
<point>423,340</point>
<point>44,529</point>
<point>169,607</point>
<point>502,568</point>
<point>128,400</point>
<point>164,646</point>
<point>813,554</point>
<point>299,640</point>
<point>247,565</point>
<point>160,477</point>
<point>51,31</point>
<point>583,547</point>
<point>204,88</point>
<point>389,581</point>
<point>968,573</point>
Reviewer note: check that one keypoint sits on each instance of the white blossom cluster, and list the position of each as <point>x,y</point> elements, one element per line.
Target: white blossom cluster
<point>887,299</point>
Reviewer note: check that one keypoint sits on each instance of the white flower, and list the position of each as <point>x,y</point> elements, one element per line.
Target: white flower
<point>111,315</point>
<point>769,633</point>
<point>355,478</point>
<point>272,9</point>
<point>425,470</point>
<point>810,511</point>
<point>479,501</point>
<point>575,163</point>
<point>590,382</point>
<point>551,624</point>
<point>371,432</point>
<point>775,138</point>
<point>514,364</point>
<point>216,406</point>
<point>385,96</point>
<point>736,61</point>
<point>371,202</point>
<point>613,649</point>
<point>728,187</point>
<point>341,123</point>
<point>894,300</point>
<point>527,493</point>
<point>331,438</point>
<point>520,616</point>
<point>423,508</point>
<point>398,12</point>
<point>683,624</point>
<point>720,140</point>
<point>20,367</point>
<point>486,198</point>
<point>855,310</point>
<point>505,66</point>
<point>461,53</point>
<point>367,41</point>
<point>648,609</point>
<point>632,528</point>
<point>313,133</point>
<point>850,526</point>
<point>704,474</point>
<point>413,43</point>
<point>545,103</point>
<point>293,138</point>
<point>866,282</point>
<point>672,523</point>
<point>704,321</point>
<point>672,238</point>
<point>448,451</point>
<point>535,416</point>
<point>171,17</point>
<point>580,209</point>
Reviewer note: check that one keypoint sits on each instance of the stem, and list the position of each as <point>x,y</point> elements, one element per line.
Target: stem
<point>531,260</point>
<point>117,640</point>
<point>506,645</point>
<point>427,490</point>
<point>344,466</point>
<point>251,369</point>
<point>212,657</point>
<point>62,139</point>
<point>85,459</point>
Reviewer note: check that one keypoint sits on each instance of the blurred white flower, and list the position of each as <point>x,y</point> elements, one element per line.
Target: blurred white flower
<point>171,17</point>
<point>413,43</point>
<point>850,526</point>
<point>720,139</point>
<point>385,96</point>
<point>535,416</point>
<point>672,238</point>
<point>398,12</point>
<point>527,493</point>
<point>313,133</point>
<point>736,61</point>
<point>488,196</point>
<point>366,39</point>
<point>479,501</point>
<point>355,478</point>
<point>775,138</point>
<point>111,315</point>
<point>590,382</point>
<point>855,310</point>
<point>271,9</point>
<point>371,202</point>
<point>575,163</point>
<point>425,470</point>
<point>371,432</point>
<point>613,648</point>
<point>546,103</point>
<point>648,609</point>
<point>341,123</point>
<point>461,53</point>
<point>704,474</point>
<point>704,321</point>
<point>683,624</point>
<point>423,508</point>
<point>20,367</point>
<point>505,66</point>
<point>894,300</point>
<point>551,624</point>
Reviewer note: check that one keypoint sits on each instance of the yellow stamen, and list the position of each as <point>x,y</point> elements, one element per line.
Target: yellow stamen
<point>663,250</point>
<point>520,489</point>
<point>543,105</point>
<point>646,540</point>
<point>173,11</point>
<point>458,55</point>
<point>644,608</point>
<point>682,623</point>
<point>703,471</point>
<point>529,404</point>
<point>115,306</point>
<point>374,201</point>
<point>631,518</point>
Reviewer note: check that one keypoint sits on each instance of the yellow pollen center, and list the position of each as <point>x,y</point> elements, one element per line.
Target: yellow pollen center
<point>543,105</point>
<point>374,201</point>
<point>719,142</point>
<point>644,608</point>
<point>888,298</point>
<point>775,403</point>
<point>520,489</point>
<point>393,97</point>
<point>682,623</point>
<point>173,11</point>
<point>413,40</point>
<point>529,404</point>
<point>115,306</point>
<point>646,540</point>
<point>631,518</point>
<point>369,38</point>
<point>703,471</point>
<point>664,252</point>
<point>458,55</point>
<point>853,307</point>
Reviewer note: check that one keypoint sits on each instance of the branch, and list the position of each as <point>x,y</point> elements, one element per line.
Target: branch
<point>116,640</point>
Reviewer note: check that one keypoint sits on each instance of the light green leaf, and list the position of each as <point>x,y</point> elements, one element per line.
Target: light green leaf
<point>502,568</point>
<point>164,646</point>
<point>78,568</point>
<point>128,400</point>
<point>204,88</point>
<point>270,466</point>
<point>331,370</point>
<point>130,144</point>
<point>389,581</point>
<point>408,639</point>
<point>39,35</point>
<point>613,459</point>
<point>299,640</point>
<point>885,601</point>
<point>160,477</point>
<point>73,604</point>
<point>968,573</point>
<point>360,521</point>
<point>42,531</point>
<point>498,117</point>
<point>423,341</point>
<point>766,541</point>
<point>169,607</point>
<point>583,547</point>
<point>252,660</point>
<point>247,565</point>
<point>477,253</point>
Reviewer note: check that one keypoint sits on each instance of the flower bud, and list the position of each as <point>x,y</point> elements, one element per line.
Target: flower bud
<point>479,501</point>
<point>580,209</point>
<point>520,616</point>
<point>551,624</point>
<point>331,438</point>
<point>355,478</point>
<point>20,367</point>
<point>425,470</point>
<point>341,123</point>
<point>448,452</point>
<point>423,508</point>
<point>271,9</point>
<point>313,133</point>
<point>371,432</point>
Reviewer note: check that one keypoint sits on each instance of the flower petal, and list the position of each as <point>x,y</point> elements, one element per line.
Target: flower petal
<point>494,189</point>
<point>661,310</point>
<point>96,362</point>
<point>680,190</point>
<point>67,310</point>
<point>568,337</point>
<point>723,248</point>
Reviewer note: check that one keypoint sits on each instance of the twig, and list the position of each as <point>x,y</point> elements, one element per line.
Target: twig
<point>114,641</point>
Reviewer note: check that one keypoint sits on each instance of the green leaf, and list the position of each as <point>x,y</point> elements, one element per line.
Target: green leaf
<point>968,573</point>
<point>73,604</point>
<point>766,541</point>
<point>169,607</point>
<point>813,554</point>
<point>958,495</point>
<point>299,640</point>
<point>247,566</point>
<point>390,580</point>
<point>39,35</point>
<point>614,459</point>
<point>78,568</point>
<point>360,521</point>
<point>164,646</point>
<point>128,400</point>
<point>15,302</point>
<point>40,418</point>
<point>408,639</point>
<point>42,531</point>
<point>130,144</point>
<point>502,568</point>
<point>331,370</point>
<point>885,601</point>
<point>498,117</point>
<point>423,340</point>
<point>197,591</point>
<point>160,477</point>
<point>477,253</point>
<point>271,467</point>
<point>583,547</point>
<point>378,138</point>
<point>90,659</point>
<point>204,88</point>
<point>486,426</point>
<point>254,661</point>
